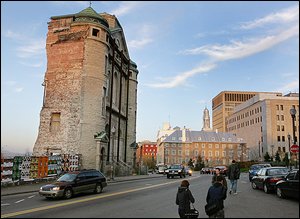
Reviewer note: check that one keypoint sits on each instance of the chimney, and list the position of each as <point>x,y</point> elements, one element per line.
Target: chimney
<point>183,134</point>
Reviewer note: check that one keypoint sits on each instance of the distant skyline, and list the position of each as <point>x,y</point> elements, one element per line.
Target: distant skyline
<point>186,54</point>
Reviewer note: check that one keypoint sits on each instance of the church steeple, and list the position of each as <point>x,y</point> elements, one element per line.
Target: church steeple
<point>206,120</point>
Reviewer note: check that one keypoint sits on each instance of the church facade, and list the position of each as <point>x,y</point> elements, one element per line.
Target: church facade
<point>90,92</point>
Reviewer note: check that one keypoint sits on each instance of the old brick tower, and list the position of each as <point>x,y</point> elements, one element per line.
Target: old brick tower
<point>90,92</point>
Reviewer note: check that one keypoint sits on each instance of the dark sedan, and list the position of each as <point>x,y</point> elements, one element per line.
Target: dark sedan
<point>266,178</point>
<point>73,183</point>
<point>289,186</point>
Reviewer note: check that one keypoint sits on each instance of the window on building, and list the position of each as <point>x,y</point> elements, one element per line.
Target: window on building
<point>95,32</point>
<point>283,149</point>
<point>210,146</point>
<point>217,154</point>
<point>278,128</point>
<point>281,107</point>
<point>282,117</point>
<point>103,101</point>
<point>209,153</point>
<point>203,145</point>
<point>277,107</point>
<point>224,153</point>
<point>278,138</point>
<point>278,118</point>
<point>173,152</point>
<point>203,153</point>
<point>217,146</point>
<point>199,138</point>
<point>187,152</point>
<point>282,128</point>
<point>283,138</point>
<point>55,122</point>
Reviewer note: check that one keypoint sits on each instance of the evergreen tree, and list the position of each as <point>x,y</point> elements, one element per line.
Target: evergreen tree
<point>286,159</point>
<point>199,163</point>
<point>267,157</point>
<point>190,163</point>
<point>277,157</point>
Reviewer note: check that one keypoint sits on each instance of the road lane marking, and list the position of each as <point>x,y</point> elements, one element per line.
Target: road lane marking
<point>31,196</point>
<point>13,214</point>
<point>19,201</point>
<point>4,204</point>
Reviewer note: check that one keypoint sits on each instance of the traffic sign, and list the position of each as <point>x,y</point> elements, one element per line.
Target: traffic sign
<point>295,148</point>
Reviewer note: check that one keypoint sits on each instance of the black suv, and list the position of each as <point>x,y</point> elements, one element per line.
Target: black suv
<point>175,170</point>
<point>75,182</point>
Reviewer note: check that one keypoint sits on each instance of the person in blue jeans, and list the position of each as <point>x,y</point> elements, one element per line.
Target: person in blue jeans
<point>233,176</point>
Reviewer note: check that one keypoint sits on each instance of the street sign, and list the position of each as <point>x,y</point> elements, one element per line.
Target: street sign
<point>295,148</point>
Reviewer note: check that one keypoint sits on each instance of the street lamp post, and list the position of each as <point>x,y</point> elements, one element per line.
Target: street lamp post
<point>272,146</point>
<point>113,131</point>
<point>293,115</point>
<point>289,153</point>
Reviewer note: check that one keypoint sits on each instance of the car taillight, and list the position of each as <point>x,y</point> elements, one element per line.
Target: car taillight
<point>275,179</point>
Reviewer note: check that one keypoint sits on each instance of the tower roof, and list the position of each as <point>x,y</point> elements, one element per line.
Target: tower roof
<point>90,15</point>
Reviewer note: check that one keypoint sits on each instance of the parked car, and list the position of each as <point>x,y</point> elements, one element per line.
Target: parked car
<point>175,170</point>
<point>223,170</point>
<point>72,183</point>
<point>162,169</point>
<point>289,186</point>
<point>267,177</point>
<point>255,168</point>
<point>206,170</point>
<point>188,171</point>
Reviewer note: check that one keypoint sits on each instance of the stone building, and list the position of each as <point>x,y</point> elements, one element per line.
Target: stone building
<point>265,122</point>
<point>90,92</point>
<point>206,120</point>
<point>215,148</point>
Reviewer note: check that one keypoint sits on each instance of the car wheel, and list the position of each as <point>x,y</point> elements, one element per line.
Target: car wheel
<point>254,186</point>
<point>98,188</point>
<point>168,176</point>
<point>68,193</point>
<point>279,193</point>
<point>266,190</point>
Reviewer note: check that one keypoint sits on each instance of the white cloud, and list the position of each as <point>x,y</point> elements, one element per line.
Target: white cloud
<point>32,49</point>
<point>34,65</point>
<point>18,89</point>
<point>239,49</point>
<point>125,8</point>
<point>285,16</point>
<point>139,43</point>
<point>144,35</point>
<point>290,87</point>
<point>181,78</point>
<point>12,35</point>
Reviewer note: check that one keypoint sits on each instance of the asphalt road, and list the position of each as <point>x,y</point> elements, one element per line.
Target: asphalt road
<point>151,198</point>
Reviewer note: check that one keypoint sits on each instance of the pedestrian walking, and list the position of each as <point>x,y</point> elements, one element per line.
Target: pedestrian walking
<point>218,173</point>
<point>215,199</point>
<point>183,199</point>
<point>233,176</point>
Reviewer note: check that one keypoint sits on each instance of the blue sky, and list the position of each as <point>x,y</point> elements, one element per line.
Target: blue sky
<point>186,52</point>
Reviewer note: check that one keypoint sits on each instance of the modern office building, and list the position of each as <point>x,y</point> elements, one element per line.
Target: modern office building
<point>266,124</point>
<point>223,105</point>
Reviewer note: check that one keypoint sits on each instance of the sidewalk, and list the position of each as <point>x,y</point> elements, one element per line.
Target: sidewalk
<point>35,186</point>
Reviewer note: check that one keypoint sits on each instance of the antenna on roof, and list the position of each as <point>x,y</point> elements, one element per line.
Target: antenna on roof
<point>90,3</point>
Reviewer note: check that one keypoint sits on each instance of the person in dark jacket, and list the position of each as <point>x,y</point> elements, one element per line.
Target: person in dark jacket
<point>214,178</point>
<point>183,198</point>
<point>233,176</point>
<point>217,194</point>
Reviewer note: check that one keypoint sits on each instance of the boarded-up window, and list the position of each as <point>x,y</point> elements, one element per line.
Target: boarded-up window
<point>55,123</point>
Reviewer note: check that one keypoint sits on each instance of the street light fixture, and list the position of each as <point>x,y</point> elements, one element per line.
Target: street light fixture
<point>293,114</point>
<point>289,153</point>
<point>272,146</point>
<point>113,131</point>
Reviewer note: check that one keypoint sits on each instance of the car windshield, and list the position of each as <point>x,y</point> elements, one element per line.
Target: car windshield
<point>175,167</point>
<point>282,171</point>
<point>68,177</point>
